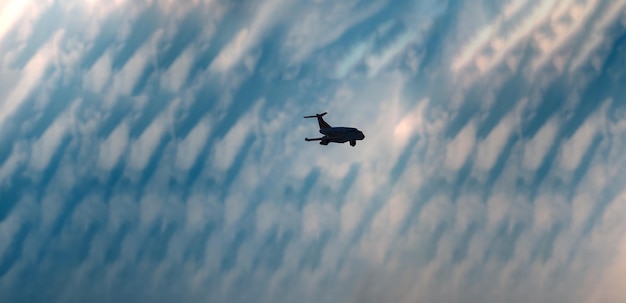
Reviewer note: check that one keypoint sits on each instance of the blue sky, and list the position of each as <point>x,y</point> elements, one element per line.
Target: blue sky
<point>153,151</point>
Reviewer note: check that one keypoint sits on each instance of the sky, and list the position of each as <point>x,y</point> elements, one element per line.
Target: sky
<point>153,151</point>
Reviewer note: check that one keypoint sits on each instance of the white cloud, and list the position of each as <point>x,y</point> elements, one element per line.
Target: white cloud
<point>351,214</point>
<point>436,211</point>
<point>234,207</point>
<point>597,40</point>
<point>200,211</point>
<point>151,207</point>
<point>89,211</point>
<point>573,149</point>
<point>266,15</point>
<point>608,233</point>
<point>473,48</point>
<point>537,148</point>
<point>10,13</point>
<point>312,220</point>
<point>113,147</point>
<point>582,205</point>
<point>486,36</point>
<point>51,208</point>
<point>100,7</point>
<point>31,76</point>
<point>44,148</point>
<point>189,148</point>
<point>461,147</point>
<point>178,10</point>
<point>144,147</point>
<point>472,209</point>
<point>349,61</point>
<point>376,63</point>
<point>267,216</point>
<point>279,160</point>
<point>609,287</point>
<point>233,52</point>
<point>498,208</point>
<point>398,207</point>
<point>125,80</point>
<point>226,149</point>
<point>9,227</point>
<point>522,32</point>
<point>99,75</point>
<point>578,13</point>
<point>174,77</point>
<point>502,47</point>
<point>123,209</point>
<point>376,242</point>
<point>318,25</point>
<point>19,156</point>
<point>550,208</point>
<point>491,147</point>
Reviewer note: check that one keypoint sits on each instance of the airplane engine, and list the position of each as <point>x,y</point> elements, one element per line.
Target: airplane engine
<point>353,143</point>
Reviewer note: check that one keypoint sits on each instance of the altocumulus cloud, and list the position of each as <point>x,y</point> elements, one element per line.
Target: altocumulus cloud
<point>152,151</point>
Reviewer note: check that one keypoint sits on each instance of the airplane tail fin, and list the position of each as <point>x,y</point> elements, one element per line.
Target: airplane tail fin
<point>320,120</point>
<point>316,115</point>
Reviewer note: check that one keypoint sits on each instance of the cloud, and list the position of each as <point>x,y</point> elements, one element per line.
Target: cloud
<point>596,42</point>
<point>609,289</point>
<point>355,55</point>
<point>233,52</point>
<point>174,78</point>
<point>572,150</point>
<point>319,24</point>
<point>491,148</point>
<point>226,149</point>
<point>537,148</point>
<point>460,147</point>
<point>31,76</point>
<point>376,63</point>
<point>142,149</point>
<point>127,78</point>
<point>18,156</point>
<point>503,46</point>
<point>113,147</point>
<point>99,75</point>
<point>11,13</point>
<point>237,207</point>
<point>578,13</point>
<point>189,148</point>
<point>266,16</point>
<point>45,147</point>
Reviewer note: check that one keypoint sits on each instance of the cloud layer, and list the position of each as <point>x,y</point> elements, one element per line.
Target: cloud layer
<point>153,151</point>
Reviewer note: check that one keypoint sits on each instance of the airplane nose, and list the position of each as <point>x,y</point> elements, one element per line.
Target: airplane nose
<point>362,135</point>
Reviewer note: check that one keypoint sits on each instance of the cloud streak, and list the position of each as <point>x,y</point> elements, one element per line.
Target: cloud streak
<point>165,161</point>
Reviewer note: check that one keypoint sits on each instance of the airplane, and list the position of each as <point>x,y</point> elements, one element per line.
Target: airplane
<point>335,134</point>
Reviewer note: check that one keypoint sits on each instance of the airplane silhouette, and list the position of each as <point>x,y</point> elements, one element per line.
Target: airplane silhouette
<point>335,134</point>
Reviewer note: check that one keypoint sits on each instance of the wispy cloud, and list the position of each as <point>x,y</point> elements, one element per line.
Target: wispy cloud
<point>154,151</point>
<point>31,76</point>
<point>319,24</point>
<point>11,13</point>
<point>269,13</point>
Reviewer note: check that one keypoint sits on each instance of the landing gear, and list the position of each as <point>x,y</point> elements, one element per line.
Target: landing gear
<point>353,142</point>
<point>324,142</point>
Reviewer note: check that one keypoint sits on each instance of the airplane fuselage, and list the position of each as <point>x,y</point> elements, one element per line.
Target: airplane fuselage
<point>335,134</point>
<point>342,134</point>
